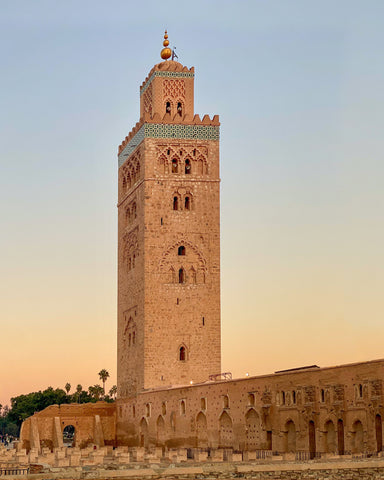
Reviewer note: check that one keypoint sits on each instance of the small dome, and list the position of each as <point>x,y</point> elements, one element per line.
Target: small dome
<point>170,65</point>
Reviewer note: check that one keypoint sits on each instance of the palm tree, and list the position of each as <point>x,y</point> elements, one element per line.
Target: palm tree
<point>79,389</point>
<point>103,375</point>
<point>96,391</point>
<point>67,387</point>
<point>113,391</point>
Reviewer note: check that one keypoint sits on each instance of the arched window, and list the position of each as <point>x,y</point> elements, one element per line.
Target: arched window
<point>203,403</point>
<point>164,408</point>
<point>182,354</point>
<point>175,203</point>
<point>182,407</point>
<point>181,250</point>
<point>294,397</point>
<point>174,166</point>
<point>283,398</point>
<point>181,276</point>
<point>193,275</point>
<point>168,107</point>
<point>147,409</point>
<point>187,203</point>
<point>322,395</point>
<point>187,166</point>
<point>179,109</point>
<point>251,399</point>
<point>225,401</point>
<point>361,391</point>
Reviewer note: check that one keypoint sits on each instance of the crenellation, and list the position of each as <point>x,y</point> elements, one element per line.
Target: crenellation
<point>174,403</point>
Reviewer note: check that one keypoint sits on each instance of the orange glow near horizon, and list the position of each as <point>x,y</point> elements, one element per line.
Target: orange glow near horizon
<point>300,98</point>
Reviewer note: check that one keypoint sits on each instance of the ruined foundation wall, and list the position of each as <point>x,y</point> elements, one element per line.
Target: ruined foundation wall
<point>94,423</point>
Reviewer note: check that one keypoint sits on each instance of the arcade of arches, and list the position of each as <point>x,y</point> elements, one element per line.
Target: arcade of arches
<point>267,413</point>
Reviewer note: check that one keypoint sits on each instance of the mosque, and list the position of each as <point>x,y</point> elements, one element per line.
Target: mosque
<point>171,390</point>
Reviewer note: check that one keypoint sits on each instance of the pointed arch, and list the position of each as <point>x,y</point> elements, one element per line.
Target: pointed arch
<point>192,275</point>
<point>182,275</point>
<point>201,430</point>
<point>357,437</point>
<point>290,437</point>
<point>253,430</point>
<point>187,166</point>
<point>312,439</point>
<point>168,106</point>
<point>182,353</point>
<point>175,165</point>
<point>225,431</point>
<point>172,275</point>
<point>340,437</point>
<point>379,433</point>
<point>160,430</point>
<point>143,433</point>
<point>330,437</point>
<point>191,247</point>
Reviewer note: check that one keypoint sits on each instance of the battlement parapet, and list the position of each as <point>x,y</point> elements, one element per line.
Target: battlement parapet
<point>166,123</point>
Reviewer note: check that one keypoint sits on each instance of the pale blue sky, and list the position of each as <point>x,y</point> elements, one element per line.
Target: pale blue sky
<point>298,86</point>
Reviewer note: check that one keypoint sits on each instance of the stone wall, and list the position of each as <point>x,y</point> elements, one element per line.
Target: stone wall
<point>328,410</point>
<point>94,423</point>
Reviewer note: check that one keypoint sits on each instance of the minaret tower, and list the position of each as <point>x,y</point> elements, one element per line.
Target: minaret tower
<point>168,238</point>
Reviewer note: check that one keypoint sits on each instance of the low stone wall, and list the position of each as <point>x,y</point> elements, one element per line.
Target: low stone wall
<point>136,463</point>
<point>362,470</point>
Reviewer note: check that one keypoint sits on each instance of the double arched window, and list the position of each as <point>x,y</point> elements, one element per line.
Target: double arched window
<point>180,202</point>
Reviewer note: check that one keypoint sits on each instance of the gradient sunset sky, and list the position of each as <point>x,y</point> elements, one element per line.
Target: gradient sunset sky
<point>299,87</point>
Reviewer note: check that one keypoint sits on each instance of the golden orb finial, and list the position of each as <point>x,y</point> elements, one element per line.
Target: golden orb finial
<point>166,52</point>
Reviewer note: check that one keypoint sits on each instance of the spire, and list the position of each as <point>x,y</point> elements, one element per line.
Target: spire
<point>166,51</point>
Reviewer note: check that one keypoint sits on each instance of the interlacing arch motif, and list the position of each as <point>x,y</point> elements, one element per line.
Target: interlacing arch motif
<point>187,268</point>
<point>196,157</point>
<point>130,333</point>
<point>174,88</point>
<point>130,249</point>
<point>130,173</point>
<point>147,99</point>
<point>131,212</point>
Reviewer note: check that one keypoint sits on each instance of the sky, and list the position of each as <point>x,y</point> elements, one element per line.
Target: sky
<point>298,86</point>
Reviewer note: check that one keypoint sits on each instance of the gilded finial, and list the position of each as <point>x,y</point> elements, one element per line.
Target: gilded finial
<point>166,52</point>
